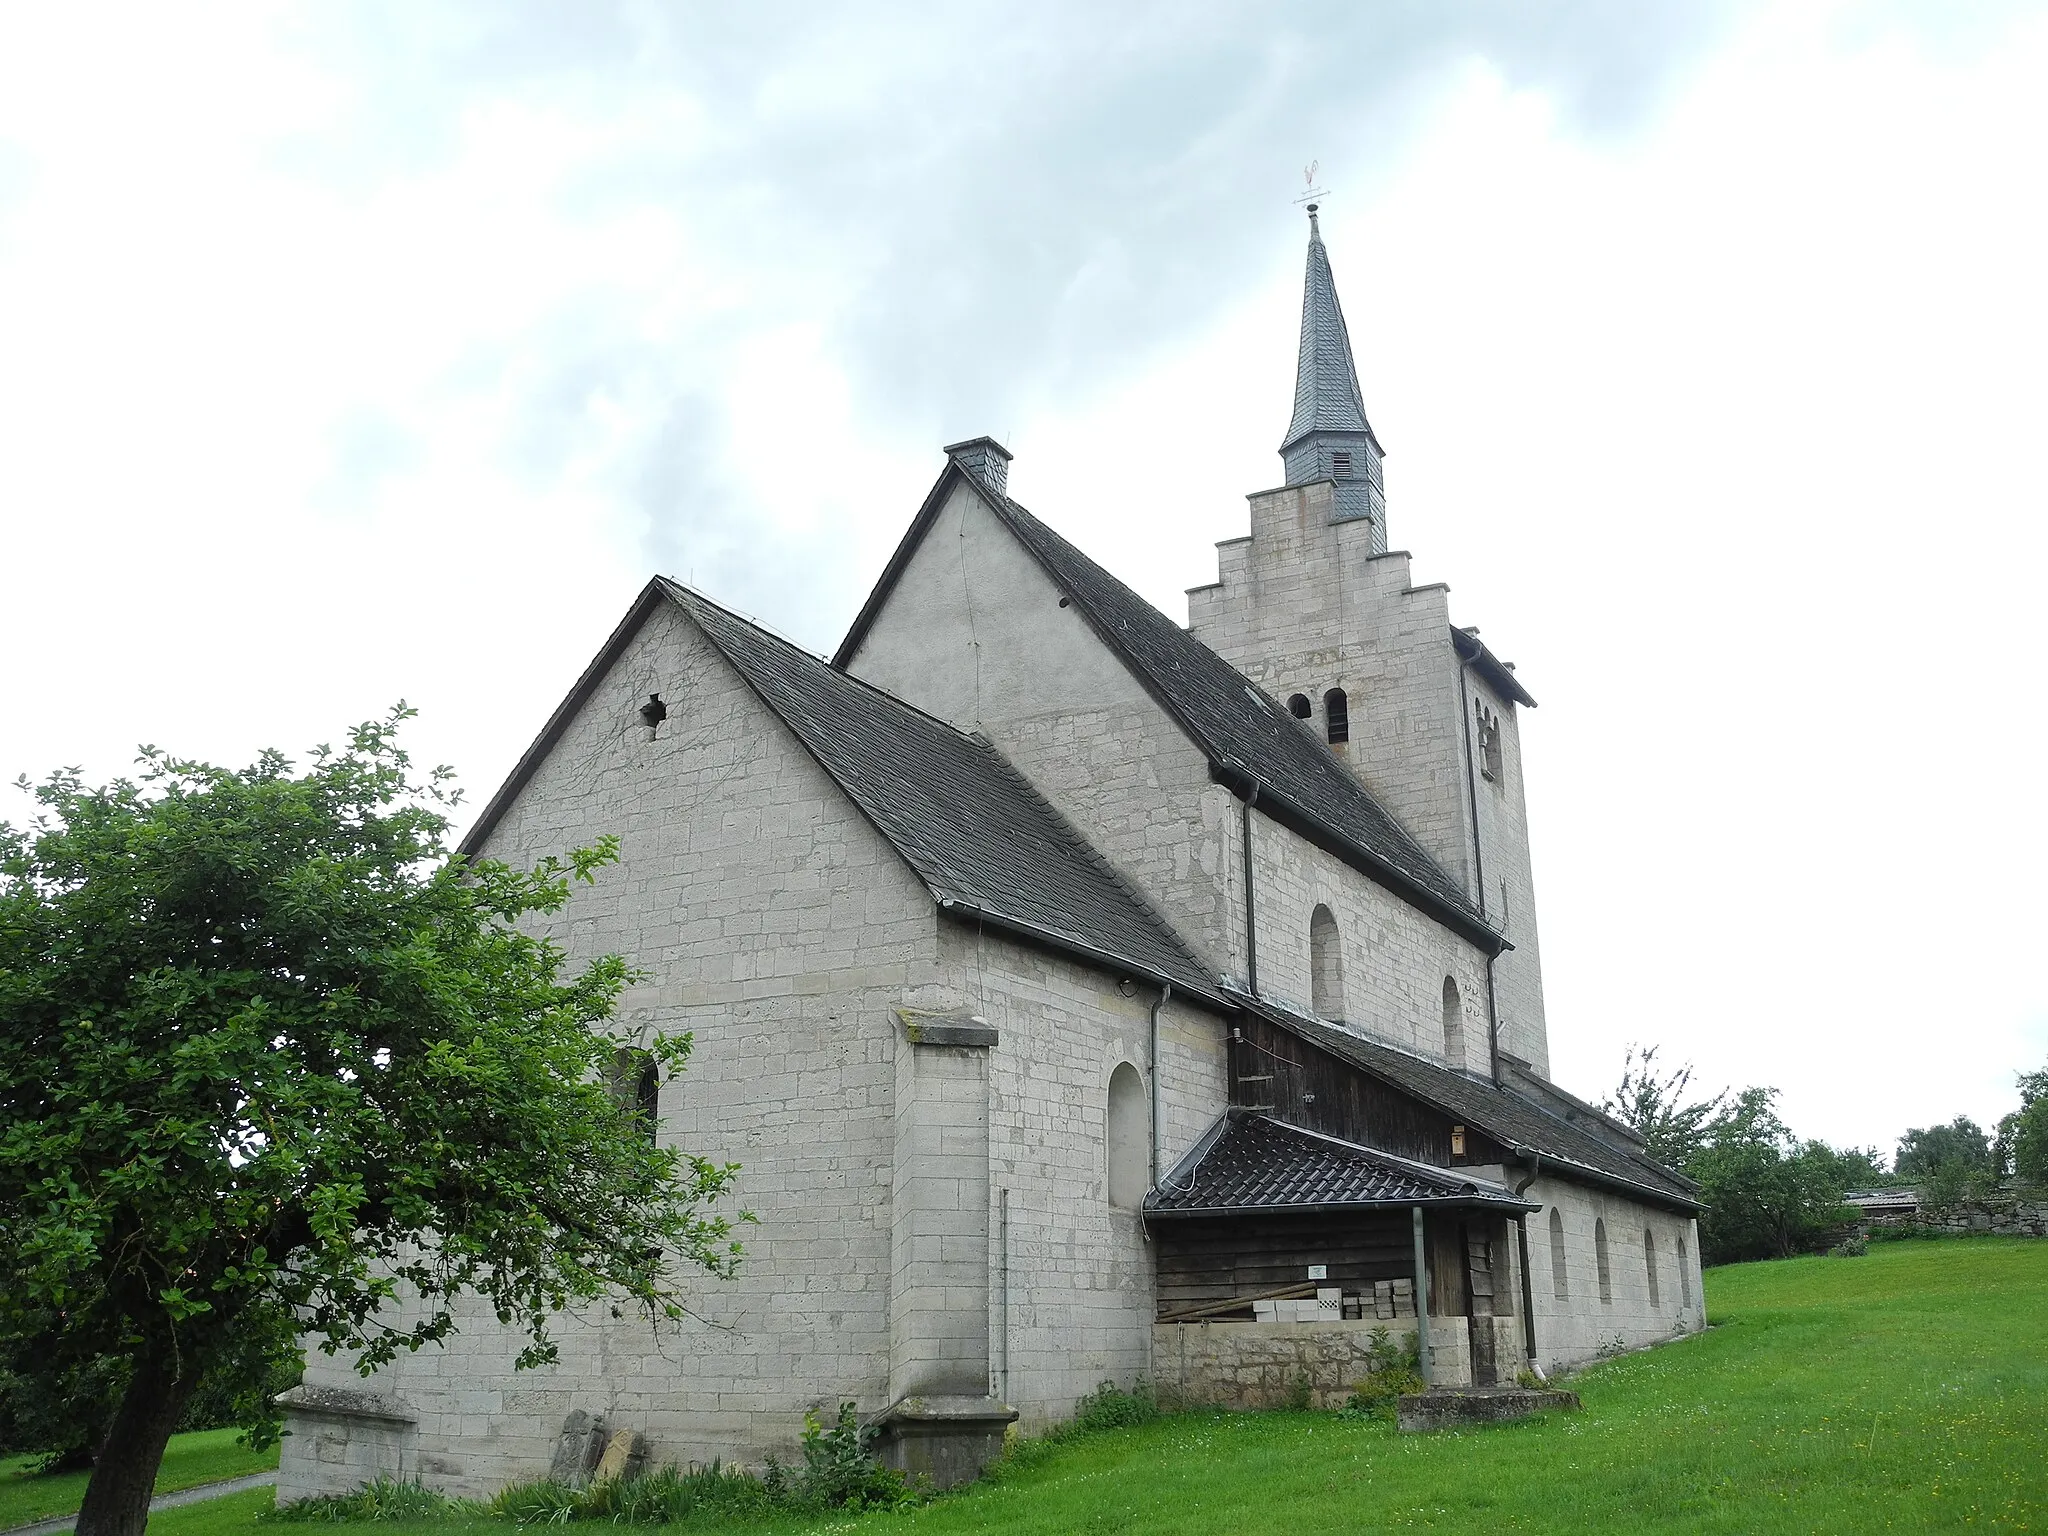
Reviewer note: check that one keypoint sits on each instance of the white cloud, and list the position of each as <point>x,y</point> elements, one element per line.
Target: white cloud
<point>347,361</point>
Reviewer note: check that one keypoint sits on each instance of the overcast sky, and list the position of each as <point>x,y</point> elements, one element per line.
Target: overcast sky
<point>350,353</point>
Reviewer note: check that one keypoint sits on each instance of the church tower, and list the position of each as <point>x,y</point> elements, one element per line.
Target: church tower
<point>1315,608</point>
<point>1329,437</point>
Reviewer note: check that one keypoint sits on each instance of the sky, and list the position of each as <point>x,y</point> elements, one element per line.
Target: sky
<point>351,353</point>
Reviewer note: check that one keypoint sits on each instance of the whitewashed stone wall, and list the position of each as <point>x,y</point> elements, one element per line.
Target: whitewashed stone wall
<point>1576,1329</point>
<point>1302,606</point>
<point>974,633</point>
<point>1394,958</point>
<point>1072,1303</point>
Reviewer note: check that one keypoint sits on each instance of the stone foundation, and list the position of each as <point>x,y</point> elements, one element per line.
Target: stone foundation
<point>1479,1405</point>
<point>2000,1216</point>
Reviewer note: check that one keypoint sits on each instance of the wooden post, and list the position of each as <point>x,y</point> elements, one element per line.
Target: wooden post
<point>1421,1303</point>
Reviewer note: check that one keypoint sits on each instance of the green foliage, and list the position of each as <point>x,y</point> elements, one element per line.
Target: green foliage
<point>1768,1194</point>
<point>385,1500</point>
<point>837,1474</point>
<point>1654,1106</point>
<point>1111,1407</point>
<point>267,1050</point>
<point>2023,1134</point>
<point>1391,1371</point>
<point>1960,1148</point>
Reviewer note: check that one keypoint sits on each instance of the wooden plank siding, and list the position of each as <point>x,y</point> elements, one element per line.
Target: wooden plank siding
<point>1204,1259</point>
<point>1306,1086</point>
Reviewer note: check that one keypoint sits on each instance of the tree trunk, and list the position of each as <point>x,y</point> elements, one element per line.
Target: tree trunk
<point>117,1498</point>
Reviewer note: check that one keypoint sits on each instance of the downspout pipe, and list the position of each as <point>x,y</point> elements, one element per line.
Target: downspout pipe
<point>1165,997</point>
<point>1528,1288</point>
<point>1251,927</point>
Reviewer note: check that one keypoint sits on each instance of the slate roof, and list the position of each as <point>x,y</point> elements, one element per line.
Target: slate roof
<point>1326,394</point>
<point>1510,1118</point>
<point>981,838</point>
<point>1250,737</point>
<point>1251,1162</point>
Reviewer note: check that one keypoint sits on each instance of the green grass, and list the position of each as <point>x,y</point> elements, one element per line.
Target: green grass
<point>202,1456</point>
<point>1904,1391</point>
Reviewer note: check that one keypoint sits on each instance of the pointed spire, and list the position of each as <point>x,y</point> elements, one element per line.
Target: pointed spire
<point>1326,395</point>
<point>1329,437</point>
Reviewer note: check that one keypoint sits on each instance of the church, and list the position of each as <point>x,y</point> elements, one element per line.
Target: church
<point>1086,997</point>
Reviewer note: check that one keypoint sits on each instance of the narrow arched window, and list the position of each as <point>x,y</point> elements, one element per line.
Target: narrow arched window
<point>636,1087</point>
<point>1650,1264</point>
<point>1454,1025</point>
<point>1337,716</point>
<point>1325,965</point>
<point>1299,706</point>
<point>1560,1282</point>
<point>1127,1138</point>
<point>1684,1273</point>
<point>1600,1259</point>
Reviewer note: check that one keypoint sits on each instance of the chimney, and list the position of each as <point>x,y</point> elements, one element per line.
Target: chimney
<point>985,459</point>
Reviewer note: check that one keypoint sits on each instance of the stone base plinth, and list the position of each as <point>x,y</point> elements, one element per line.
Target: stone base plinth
<point>1479,1405</point>
<point>947,1440</point>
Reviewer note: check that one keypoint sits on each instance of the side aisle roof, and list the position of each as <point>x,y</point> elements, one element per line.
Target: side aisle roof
<point>1252,743</point>
<point>984,842</point>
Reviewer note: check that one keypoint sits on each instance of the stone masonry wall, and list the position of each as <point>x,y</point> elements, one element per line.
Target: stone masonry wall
<point>2000,1216</point>
<point>1304,605</point>
<point>975,633</point>
<point>1580,1325</point>
<point>1394,958</point>
<point>1072,1301</point>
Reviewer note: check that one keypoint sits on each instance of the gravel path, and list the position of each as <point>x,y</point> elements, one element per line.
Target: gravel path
<point>161,1501</point>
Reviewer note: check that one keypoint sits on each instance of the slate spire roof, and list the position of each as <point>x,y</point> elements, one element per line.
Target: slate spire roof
<point>1326,393</point>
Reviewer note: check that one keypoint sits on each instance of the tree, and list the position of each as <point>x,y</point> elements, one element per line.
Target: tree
<point>1948,1160</point>
<point>1768,1195</point>
<point>269,1053</point>
<point>2023,1134</point>
<point>1654,1107</point>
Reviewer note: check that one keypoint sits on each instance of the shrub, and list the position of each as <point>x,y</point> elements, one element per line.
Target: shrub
<point>1853,1246</point>
<point>838,1472</point>
<point>384,1500</point>
<point>1392,1369</point>
<point>1110,1407</point>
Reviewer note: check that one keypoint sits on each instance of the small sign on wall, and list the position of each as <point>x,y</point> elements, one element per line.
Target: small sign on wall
<point>1319,1271</point>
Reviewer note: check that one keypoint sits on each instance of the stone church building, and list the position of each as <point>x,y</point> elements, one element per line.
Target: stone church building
<point>1086,998</point>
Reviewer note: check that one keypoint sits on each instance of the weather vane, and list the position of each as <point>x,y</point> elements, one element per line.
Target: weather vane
<point>1314,192</point>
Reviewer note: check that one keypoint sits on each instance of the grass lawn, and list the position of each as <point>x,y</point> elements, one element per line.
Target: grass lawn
<point>202,1456</point>
<point>1903,1391</point>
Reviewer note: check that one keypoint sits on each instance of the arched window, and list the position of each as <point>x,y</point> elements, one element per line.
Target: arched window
<point>1325,965</point>
<point>636,1086</point>
<point>1600,1259</point>
<point>1684,1273</point>
<point>1454,1024</point>
<point>1650,1264</point>
<point>1337,716</point>
<point>1560,1283</point>
<point>1127,1138</point>
<point>1299,706</point>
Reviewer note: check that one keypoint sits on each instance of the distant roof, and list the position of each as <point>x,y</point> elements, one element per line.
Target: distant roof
<point>1250,1162</point>
<point>1515,1121</point>
<point>1249,739</point>
<point>984,842</point>
<point>1326,394</point>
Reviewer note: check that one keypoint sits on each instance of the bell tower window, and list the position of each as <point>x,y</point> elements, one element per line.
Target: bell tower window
<point>1337,717</point>
<point>1299,706</point>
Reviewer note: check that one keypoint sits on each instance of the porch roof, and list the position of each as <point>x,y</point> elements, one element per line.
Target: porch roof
<point>1248,1162</point>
